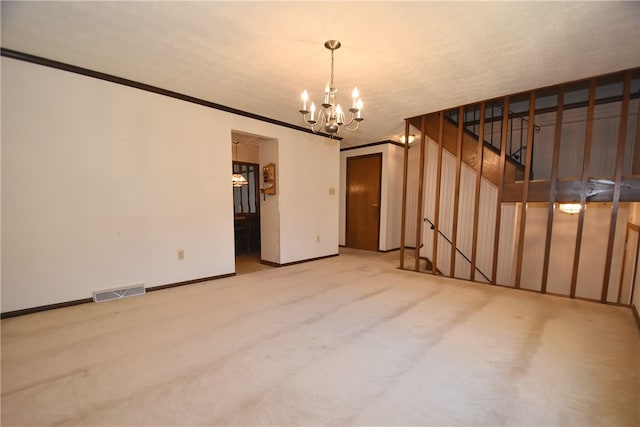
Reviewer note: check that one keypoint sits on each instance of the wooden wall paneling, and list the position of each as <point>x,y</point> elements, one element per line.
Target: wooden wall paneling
<point>538,190</point>
<point>476,202</point>
<point>635,163</point>
<point>525,187</point>
<point>486,230</point>
<point>412,194</point>
<point>630,190</point>
<point>624,262</point>
<point>436,216</point>
<point>635,269</point>
<point>405,168</point>
<point>456,197</point>
<point>636,229</point>
<point>583,192</point>
<point>490,156</point>
<point>503,152</point>
<point>552,189</point>
<point>622,139</point>
<point>420,195</point>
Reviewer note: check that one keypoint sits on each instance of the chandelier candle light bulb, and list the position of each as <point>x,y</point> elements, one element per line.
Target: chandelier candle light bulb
<point>354,95</point>
<point>312,120</point>
<point>305,98</point>
<point>332,116</point>
<point>339,115</point>
<point>327,92</point>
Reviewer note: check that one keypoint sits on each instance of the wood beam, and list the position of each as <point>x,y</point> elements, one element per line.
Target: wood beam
<point>503,152</point>
<point>622,139</point>
<point>436,220</point>
<point>420,195</point>
<point>405,168</point>
<point>476,202</point>
<point>552,189</point>
<point>525,188</point>
<point>456,197</point>
<point>583,192</point>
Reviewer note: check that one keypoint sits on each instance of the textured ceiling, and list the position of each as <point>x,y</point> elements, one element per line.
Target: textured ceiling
<point>407,58</point>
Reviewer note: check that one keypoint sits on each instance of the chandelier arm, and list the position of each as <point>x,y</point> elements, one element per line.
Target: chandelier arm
<point>304,119</point>
<point>320,121</point>
<point>322,116</point>
<point>354,129</point>
<point>353,116</point>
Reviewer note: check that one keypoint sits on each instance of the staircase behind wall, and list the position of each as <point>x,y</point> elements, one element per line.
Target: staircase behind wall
<point>514,169</point>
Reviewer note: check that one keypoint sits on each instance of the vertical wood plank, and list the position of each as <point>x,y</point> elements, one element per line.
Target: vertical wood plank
<point>635,269</point>
<point>583,193</point>
<point>503,152</point>
<point>622,138</point>
<point>525,187</point>
<point>624,262</point>
<point>476,202</point>
<point>436,219</point>
<point>405,168</point>
<point>420,193</point>
<point>456,196</point>
<point>553,188</point>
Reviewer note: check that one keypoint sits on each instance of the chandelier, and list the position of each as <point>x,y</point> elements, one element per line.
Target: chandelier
<point>237,179</point>
<point>331,117</point>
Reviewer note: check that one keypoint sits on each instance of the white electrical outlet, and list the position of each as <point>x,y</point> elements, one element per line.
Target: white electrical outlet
<point>180,254</point>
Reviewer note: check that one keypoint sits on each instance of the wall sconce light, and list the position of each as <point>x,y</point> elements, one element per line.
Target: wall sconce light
<point>412,138</point>
<point>570,208</point>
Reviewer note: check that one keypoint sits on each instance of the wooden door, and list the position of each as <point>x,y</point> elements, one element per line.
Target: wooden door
<point>364,174</point>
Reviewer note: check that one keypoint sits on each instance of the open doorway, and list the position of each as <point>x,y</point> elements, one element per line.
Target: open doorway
<point>246,163</point>
<point>246,209</point>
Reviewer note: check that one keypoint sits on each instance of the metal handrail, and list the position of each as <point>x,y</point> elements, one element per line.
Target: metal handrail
<point>497,110</point>
<point>457,250</point>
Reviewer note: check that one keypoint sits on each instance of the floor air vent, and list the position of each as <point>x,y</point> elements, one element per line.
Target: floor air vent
<point>111,294</point>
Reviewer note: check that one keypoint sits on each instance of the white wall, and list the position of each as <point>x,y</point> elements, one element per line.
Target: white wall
<point>269,206</point>
<point>390,192</point>
<point>309,169</point>
<point>395,165</point>
<point>102,184</point>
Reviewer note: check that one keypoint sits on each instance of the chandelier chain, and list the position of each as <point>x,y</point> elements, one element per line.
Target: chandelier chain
<point>332,86</point>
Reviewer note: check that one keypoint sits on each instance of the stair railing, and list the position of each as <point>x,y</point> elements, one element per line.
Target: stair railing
<point>516,144</point>
<point>457,250</point>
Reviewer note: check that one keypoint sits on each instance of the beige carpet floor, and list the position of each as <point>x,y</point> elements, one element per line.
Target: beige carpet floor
<point>349,340</point>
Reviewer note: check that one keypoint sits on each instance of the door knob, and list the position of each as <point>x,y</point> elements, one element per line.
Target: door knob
<point>375,205</point>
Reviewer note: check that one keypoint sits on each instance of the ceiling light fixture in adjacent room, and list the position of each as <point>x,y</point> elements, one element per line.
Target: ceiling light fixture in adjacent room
<point>411,138</point>
<point>237,180</point>
<point>570,208</point>
<point>331,117</point>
